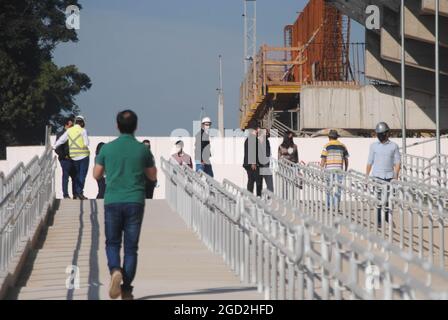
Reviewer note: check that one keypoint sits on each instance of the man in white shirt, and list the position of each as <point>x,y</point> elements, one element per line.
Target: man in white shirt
<point>78,142</point>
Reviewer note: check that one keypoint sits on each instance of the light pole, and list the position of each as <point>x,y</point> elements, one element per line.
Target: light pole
<point>403,80</point>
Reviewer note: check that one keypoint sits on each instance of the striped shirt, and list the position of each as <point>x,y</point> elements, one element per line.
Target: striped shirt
<point>335,153</point>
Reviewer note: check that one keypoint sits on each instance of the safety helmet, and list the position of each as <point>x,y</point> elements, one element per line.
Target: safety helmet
<point>206,120</point>
<point>80,118</point>
<point>382,127</point>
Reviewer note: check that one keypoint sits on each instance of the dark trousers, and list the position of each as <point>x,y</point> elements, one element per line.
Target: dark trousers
<point>123,221</point>
<point>81,168</point>
<point>269,182</point>
<point>254,177</point>
<point>206,168</point>
<point>101,188</point>
<point>149,189</point>
<point>386,211</point>
<point>68,170</point>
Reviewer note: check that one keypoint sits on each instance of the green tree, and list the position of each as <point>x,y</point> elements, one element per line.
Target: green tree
<point>34,91</point>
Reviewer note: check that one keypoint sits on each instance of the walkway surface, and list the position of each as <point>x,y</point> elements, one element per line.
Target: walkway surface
<point>173,262</point>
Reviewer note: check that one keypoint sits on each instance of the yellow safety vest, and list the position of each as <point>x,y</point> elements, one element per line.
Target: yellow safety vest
<point>76,143</point>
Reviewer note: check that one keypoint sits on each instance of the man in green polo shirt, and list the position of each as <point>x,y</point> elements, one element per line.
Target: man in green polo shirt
<point>126,163</point>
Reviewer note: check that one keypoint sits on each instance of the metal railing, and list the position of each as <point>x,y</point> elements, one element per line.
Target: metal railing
<point>432,171</point>
<point>26,193</point>
<point>289,254</point>
<point>418,213</point>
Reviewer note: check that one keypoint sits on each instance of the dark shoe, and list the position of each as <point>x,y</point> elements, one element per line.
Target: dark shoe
<point>66,197</point>
<point>126,294</point>
<point>115,284</point>
<point>75,197</point>
<point>82,197</point>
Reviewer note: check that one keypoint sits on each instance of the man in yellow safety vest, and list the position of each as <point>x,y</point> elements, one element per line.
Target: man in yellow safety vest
<point>78,142</point>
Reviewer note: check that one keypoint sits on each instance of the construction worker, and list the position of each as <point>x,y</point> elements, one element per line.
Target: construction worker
<point>180,157</point>
<point>384,162</point>
<point>67,165</point>
<point>78,142</point>
<point>202,148</point>
<point>334,157</point>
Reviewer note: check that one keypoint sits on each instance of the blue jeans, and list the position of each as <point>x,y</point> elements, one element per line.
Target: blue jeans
<point>335,197</point>
<point>81,168</point>
<point>206,168</point>
<point>123,221</point>
<point>68,170</point>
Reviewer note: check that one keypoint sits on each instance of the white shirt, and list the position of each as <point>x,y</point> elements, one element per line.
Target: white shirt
<point>64,138</point>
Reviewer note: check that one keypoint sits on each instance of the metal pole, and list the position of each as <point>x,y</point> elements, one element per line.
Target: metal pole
<point>221,101</point>
<point>403,79</point>
<point>438,146</point>
<point>245,38</point>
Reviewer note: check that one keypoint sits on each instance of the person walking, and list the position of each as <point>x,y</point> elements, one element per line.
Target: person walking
<point>251,163</point>
<point>150,185</point>
<point>264,158</point>
<point>180,157</point>
<point>101,182</point>
<point>288,149</point>
<point>203,148</point>
<point>78,142</point>
<point>68,170</point>
<point>334,158</point>
<point>384,163</point>
<point>126,163</point>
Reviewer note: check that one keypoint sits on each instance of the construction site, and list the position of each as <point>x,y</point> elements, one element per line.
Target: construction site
<point>320,79</point>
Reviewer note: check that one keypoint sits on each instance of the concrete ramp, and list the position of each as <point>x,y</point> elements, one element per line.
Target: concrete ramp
<point>173,263</point>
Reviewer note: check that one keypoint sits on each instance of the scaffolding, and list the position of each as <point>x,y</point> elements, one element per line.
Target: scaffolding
<point>316,49</point>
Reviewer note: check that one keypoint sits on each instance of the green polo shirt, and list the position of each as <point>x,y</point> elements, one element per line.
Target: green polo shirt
<point>124,161</point>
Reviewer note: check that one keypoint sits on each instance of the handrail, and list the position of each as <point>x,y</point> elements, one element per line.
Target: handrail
<point>290,254</point>
<point>26,193</point>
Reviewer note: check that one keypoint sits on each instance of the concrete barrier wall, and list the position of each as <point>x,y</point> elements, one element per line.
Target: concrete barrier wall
<point>227,157</point>
<point>362,108</point>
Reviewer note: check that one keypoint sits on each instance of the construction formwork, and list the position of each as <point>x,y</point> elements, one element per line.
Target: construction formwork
<point>316,48</point>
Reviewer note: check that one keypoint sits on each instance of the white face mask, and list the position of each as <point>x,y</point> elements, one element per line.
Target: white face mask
<point>178,149</point>
<point>291,150</point>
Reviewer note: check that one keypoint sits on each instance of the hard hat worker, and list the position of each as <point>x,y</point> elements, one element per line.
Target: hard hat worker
<point>203,147</point>
<point>78,143</point>
<point>384,162</point>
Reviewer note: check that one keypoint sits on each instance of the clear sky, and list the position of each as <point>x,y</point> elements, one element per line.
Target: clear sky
<point>160,58</point>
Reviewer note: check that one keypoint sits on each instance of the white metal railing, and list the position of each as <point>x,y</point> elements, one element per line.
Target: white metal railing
<point>433,171</point>
<point>25,195</point>
<point>289,254</point>
<point>418,212</point>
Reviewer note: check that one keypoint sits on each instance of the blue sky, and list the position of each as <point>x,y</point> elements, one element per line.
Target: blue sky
<point>160,58</point>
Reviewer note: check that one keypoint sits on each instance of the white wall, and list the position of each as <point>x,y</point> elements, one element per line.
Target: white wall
<point>227,156</point>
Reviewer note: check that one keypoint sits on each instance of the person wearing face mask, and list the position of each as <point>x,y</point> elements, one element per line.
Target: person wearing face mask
<point>180,157</point>
<point>251,161</point>
<point>264,157</point>
<point>288,149</point>
<point>384,162</point>
<point>202,148</point>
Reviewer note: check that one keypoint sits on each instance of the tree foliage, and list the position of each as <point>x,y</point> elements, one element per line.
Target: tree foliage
<point>34,91</point>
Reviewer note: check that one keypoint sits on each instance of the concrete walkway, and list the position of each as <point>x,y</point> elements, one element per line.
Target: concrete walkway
<point>173,263</point>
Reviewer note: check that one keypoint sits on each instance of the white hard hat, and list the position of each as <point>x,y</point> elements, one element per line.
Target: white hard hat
<point>80,118</point>
<point>206,120</point>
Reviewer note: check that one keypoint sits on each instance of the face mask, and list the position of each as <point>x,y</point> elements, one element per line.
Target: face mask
<point>207,128</point>
<point>178,149</point>
<point>382,137</point>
